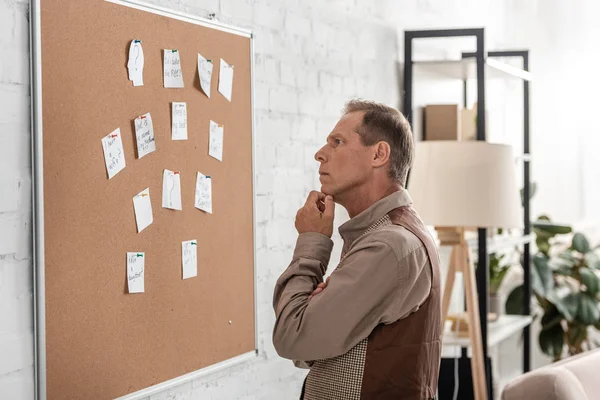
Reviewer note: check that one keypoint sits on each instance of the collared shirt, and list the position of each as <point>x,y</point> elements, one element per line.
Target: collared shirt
<point>384,276</point>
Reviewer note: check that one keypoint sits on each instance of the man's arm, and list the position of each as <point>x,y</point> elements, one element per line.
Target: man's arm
<point>362,293</point>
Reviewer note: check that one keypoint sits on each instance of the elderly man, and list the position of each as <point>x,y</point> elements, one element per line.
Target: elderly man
<point>373,330</point>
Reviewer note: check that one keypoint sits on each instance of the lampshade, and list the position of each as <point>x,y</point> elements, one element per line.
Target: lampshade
<point>465,184</point>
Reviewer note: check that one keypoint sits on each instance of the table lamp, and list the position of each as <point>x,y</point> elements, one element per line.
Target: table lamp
<point>459,184</point>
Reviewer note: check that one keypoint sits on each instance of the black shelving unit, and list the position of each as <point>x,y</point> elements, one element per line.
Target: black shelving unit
<point>482,273</point>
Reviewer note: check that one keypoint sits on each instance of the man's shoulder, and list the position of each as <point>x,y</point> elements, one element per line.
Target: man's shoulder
<point>399,239</point>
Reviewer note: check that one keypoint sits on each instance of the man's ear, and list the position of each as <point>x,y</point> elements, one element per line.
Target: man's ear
<point>381,154</point>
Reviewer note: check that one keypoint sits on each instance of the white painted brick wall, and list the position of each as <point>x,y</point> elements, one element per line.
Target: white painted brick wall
<point>311,56</point>
<point>16,304</point>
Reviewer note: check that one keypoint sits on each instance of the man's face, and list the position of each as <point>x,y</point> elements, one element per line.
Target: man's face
<point>345,161</point>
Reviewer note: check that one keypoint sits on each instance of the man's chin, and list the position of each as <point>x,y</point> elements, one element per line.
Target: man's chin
<point>327,191</point>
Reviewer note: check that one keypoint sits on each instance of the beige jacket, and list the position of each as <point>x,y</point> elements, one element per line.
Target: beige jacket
<point>384,276</point>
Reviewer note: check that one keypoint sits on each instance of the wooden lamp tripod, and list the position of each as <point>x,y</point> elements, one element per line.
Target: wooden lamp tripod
<point>461,260</point>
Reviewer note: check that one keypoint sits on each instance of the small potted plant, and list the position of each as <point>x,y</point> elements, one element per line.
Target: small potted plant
<point>498,270</point>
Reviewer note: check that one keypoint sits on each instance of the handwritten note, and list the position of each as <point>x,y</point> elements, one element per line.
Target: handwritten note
<point>179,125</point>
<point>189,258</point>
<point>143,209</point>
<point>144,134</point>
<point>135,63</point>
<point>114,156</point>
<point>215,145</point>
<point>205,69</point>
<point>171,190</point>
<point>173,75</point>
<point>135,272</point>
<point>203,199</point>
<point>225,79</point>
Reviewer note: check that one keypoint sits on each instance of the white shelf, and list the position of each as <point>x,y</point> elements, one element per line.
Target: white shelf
<point>499,330</point>
<point>503,242</point>
<point>467,69</point>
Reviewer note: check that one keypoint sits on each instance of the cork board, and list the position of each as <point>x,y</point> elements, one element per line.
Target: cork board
<point>102,342</point>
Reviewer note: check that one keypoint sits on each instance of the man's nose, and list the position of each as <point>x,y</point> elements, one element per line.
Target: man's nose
<point>320,155</point>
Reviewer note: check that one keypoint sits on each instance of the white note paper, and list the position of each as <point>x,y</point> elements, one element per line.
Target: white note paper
<point>215,145</point>
<point>144,134</point>
<point>205,68</point>
<point>143,209</point>
<point>203,199</point>
<point>171,190</point>
<point>114,156</point>
<point>135,63</point>
<point>179,125</point>
<point>225,79</point>
<point>173,75</point>
<point>135,272</point>
<point>189,258</point>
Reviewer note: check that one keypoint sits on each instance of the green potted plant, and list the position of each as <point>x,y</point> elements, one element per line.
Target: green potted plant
<point>566,287</point>
<point>498,269</point>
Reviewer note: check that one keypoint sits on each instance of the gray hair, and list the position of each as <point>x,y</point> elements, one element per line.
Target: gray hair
<point>384,123</point>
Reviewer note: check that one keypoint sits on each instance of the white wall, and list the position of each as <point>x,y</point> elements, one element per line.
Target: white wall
<point>310,57</point>
<point>16,307</point>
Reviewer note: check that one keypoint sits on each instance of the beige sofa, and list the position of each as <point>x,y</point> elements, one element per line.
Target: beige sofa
<point>574,378</point>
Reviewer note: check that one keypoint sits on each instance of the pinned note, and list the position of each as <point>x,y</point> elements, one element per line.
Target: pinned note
<point>179,125</point>
<point>225,79</point>
<point>189,258</point>
<point>135,272</point>
<point>171,190</point>
<point>205,69</point>
<point>203,199</point>
<point>135,63</point>
<point>173,75</point>
<point>143,209</point>
<point>144,134</point>
<point>114,156</point>
<point>215,146</point>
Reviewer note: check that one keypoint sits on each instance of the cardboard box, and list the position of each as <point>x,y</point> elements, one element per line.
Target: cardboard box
<point>442,122</point>
<point>450,122</point>
<point>468,126</point>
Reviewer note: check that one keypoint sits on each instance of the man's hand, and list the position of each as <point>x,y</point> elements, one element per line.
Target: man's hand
<point>320,287</point>
<point>316,215</point>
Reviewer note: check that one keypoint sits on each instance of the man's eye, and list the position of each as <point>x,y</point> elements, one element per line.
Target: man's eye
<point>339,141</point>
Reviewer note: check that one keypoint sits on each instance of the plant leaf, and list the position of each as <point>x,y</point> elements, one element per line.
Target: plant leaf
<point>568,257</point>
<point>497,273</point>
<point>551,228</point>
<point>532,190</point>
<point>551,317</point>
<point>580,243</point>
<point>542,280</point>
<point>514,301</point>
<point>576,334</point>
<point>561,268</point>
<point>567,305</point>
<point>592,260</point>
<point>588,312</point>
<point>561,263</point>
<point>590,280</point>
<point>552,340</point>
<point>542,244</point>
